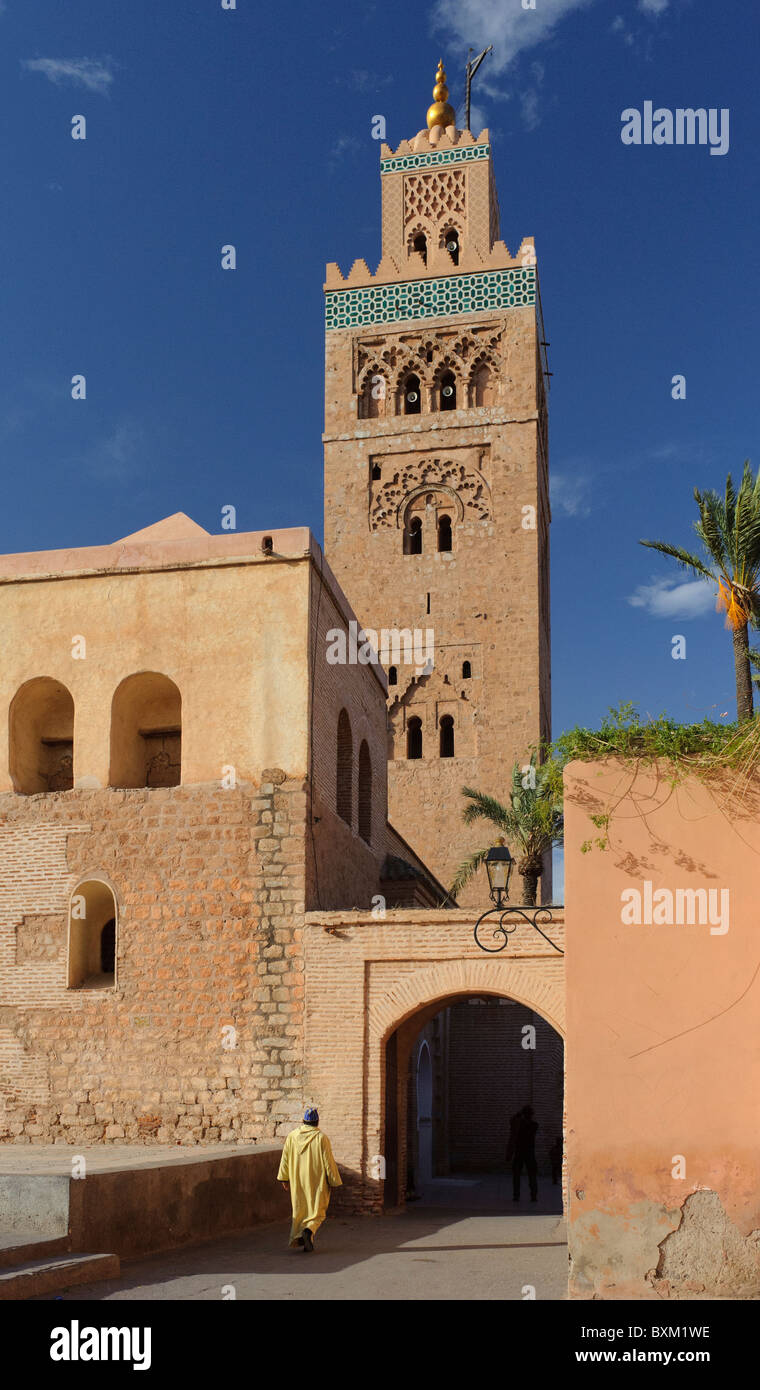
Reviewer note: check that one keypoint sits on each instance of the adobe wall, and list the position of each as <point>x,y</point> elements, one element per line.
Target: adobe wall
<point>218,631</point>
<point>663,1065</point>
<point>367,977</point>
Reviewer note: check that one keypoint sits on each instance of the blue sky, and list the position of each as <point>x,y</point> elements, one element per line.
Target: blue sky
<point>253,127</point>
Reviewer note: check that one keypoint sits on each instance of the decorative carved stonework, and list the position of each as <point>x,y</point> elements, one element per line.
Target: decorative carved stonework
<point>414,476</point>
<point>434,196</point>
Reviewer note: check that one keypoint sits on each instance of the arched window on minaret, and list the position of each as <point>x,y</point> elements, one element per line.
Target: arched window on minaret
<point>392,676</point>
<point>483,386</point>
<point>451,242</point>
<point>373,397</point>
<point>414,737</point>
<point>447,736</point>
<point>411,395</point>
<point>466,671</point>
<point>420,244</point>
<point>448,391</point>
<point>444,532</point>
<point>414,536</point>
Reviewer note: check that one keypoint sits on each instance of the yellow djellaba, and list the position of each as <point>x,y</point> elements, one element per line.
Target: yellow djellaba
<point>441,113</point>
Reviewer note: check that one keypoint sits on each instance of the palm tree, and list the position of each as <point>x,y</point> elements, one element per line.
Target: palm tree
<point>729,529</point>
<point>532,820</point>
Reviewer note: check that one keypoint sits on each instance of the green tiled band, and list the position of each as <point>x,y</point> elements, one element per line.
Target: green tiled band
<point>430,299</point>
<point>430,161</point>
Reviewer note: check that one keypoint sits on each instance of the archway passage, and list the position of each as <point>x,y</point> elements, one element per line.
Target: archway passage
<point>459,1074</point>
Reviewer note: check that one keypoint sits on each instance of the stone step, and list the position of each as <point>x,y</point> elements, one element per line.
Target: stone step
<point>50,1275</point>
<point>20,1247</point>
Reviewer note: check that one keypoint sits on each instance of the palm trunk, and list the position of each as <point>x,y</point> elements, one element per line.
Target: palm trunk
<point>743,674</point>
<point>530,889</point>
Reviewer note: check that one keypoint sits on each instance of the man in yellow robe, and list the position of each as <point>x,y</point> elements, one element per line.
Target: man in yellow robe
<point>309,1169</point>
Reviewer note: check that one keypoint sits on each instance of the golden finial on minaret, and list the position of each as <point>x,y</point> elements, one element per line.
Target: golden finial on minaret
<point>441,113</point>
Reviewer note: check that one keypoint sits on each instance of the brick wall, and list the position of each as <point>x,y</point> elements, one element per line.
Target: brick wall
<point>370,978</point>
<point>344,870</point>
<point>491,1076</point>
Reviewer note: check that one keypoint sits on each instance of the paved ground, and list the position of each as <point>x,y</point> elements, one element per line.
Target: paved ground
<point>465,1240</point>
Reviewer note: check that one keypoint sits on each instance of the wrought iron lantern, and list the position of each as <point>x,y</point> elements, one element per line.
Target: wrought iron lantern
<point>499,864</point>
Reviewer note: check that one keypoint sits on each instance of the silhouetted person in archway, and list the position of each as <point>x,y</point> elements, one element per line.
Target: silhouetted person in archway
<point>522,1151</point>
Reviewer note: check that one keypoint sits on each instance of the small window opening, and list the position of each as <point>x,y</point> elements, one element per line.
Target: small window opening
<point>266,545</point>
<point>415,536</point>
<point>444,532</point>
<point>451,242</point>
<point>393,676</point>
<point>447,736</point>
<point>466,670</point>
<point>92,936</point>
<point>345,768</point>
<point>428,603</point>
<point>420,244</point>
<point>376,474</point>
<point>365,793</point>
<point>448,391</point>
<point>414,738</point>
<point>412,403</point>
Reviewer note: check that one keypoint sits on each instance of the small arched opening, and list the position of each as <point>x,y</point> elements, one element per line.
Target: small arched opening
<point>344,768</point>
<point>411,395</point>
<point>451,242</point>
<point>446,733</point>
<point>41,737</point>
<point>365,792</point>
<point>444,532</point>
<point>146,732</point>
<point>483,392</point>
<point>92,936</point>
<point>373,397</point>
<point>466,670</point>
<point>414,737</point>
<point>419,244</point>
<point>413,536</point>
<point>392,675</point>
<point>448,391</point>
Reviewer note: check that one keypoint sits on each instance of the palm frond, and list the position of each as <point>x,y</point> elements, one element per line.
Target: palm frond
<point>467,871</point>
<point>683,557</point>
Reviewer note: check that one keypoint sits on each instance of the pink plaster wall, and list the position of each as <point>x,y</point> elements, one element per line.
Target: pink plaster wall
<point>663,1042</point>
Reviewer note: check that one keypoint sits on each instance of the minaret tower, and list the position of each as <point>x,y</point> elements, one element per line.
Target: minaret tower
<point>436,479</point>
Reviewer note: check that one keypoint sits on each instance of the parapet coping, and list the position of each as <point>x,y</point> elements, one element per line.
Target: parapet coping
<point>54,1160</point>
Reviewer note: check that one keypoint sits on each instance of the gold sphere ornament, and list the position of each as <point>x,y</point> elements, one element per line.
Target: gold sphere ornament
<point>441,112</point>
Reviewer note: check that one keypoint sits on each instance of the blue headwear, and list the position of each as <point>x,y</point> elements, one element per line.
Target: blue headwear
<point>311,1116</point>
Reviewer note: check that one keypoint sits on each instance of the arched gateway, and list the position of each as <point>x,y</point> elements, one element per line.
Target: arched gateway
<point>370,981</point>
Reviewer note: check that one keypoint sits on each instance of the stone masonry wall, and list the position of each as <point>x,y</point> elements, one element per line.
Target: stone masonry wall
<point>209,887</point>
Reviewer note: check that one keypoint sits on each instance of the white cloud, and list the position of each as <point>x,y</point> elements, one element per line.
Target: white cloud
<point>503,23</point>
<point>653,6</point>
<point>618,26</point>
<point>570,494</point>
<point>93,73</point>
<point>671,598</point>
